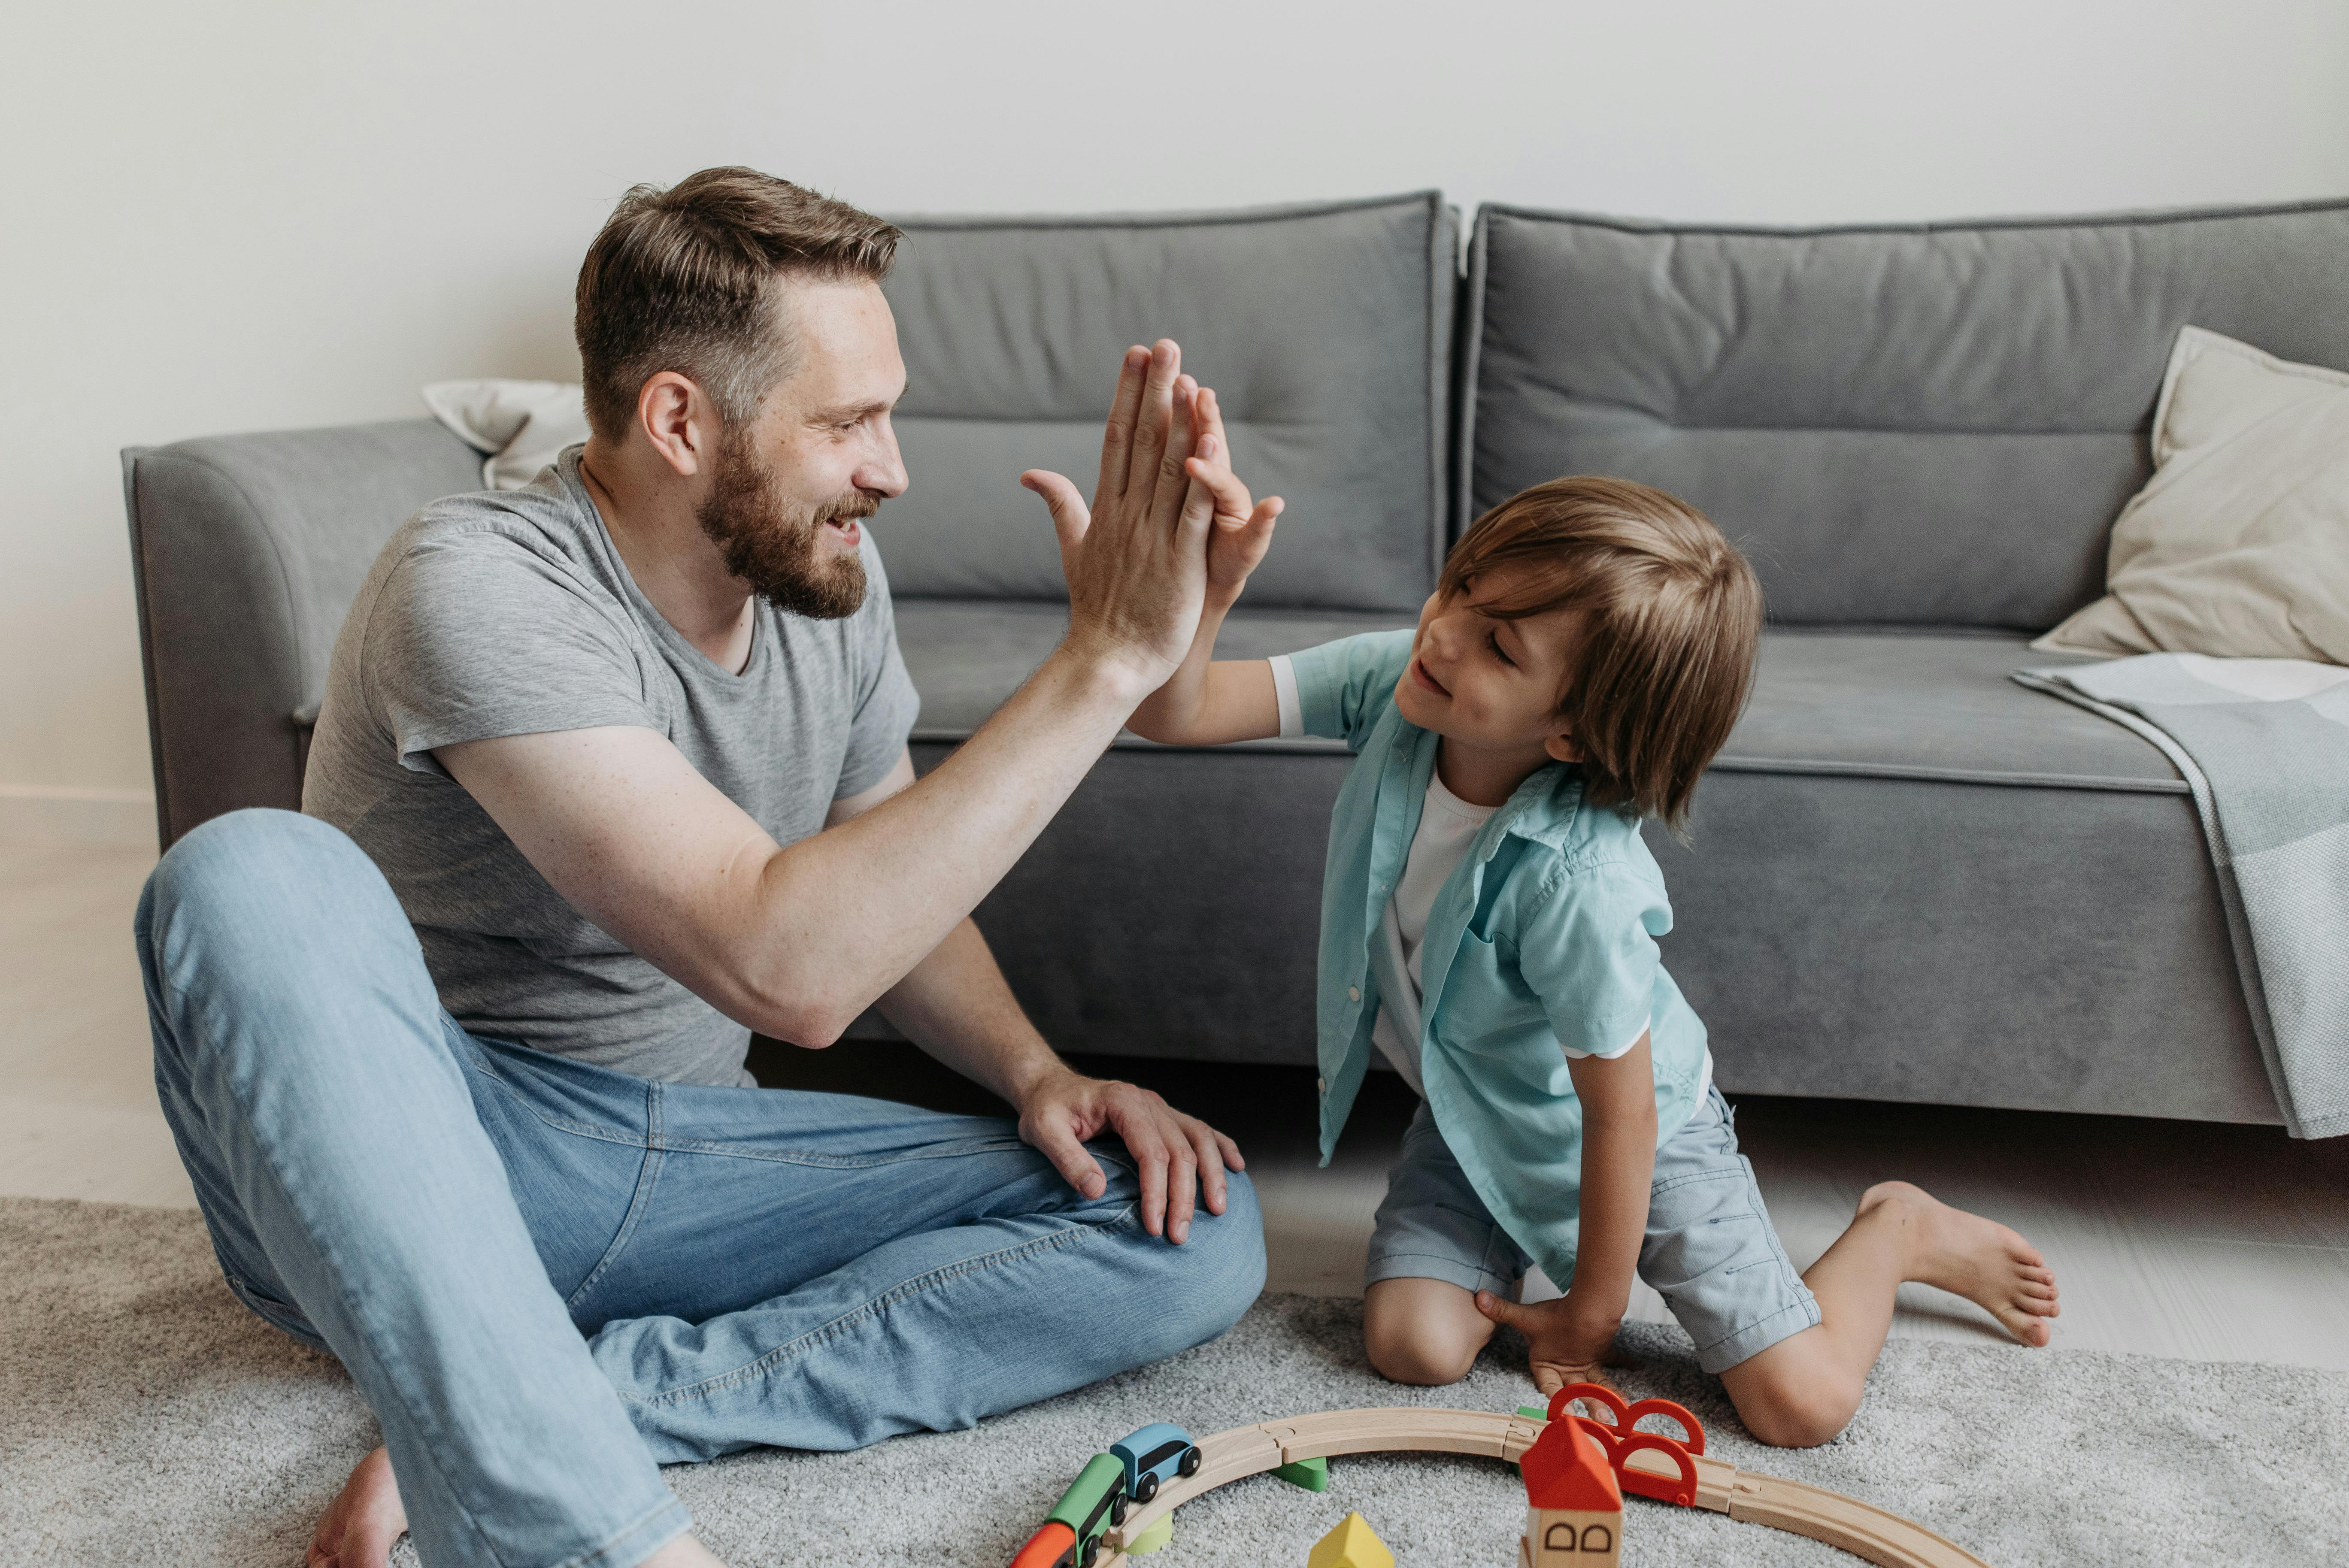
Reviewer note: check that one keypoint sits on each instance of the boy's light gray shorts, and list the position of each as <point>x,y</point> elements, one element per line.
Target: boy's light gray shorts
<point>1711,1251</point>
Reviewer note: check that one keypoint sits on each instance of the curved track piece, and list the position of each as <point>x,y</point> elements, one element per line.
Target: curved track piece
<point>1856,1527</point>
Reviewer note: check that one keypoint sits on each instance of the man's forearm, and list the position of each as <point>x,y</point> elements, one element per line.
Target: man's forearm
<point>898,879</point>
<point>957,1007</point>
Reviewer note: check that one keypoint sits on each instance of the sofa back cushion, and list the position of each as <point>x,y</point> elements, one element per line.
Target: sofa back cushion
<point>1325,331</point>
<point>1924,424</point>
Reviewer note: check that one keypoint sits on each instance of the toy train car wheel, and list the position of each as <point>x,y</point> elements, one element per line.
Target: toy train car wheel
<point>1148,1489</point>
<point>1093,1553</point>
<point>1117,1508</point>
<point>1192,1459</point>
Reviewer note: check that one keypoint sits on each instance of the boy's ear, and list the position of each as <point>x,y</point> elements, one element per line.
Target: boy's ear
<point>1562,749</point>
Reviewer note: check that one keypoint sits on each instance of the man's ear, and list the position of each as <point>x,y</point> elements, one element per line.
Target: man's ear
<point>676,418</point>
<point>1562,749</point>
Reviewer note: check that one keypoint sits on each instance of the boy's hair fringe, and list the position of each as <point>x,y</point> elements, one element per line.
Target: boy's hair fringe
<point>1669,616</point>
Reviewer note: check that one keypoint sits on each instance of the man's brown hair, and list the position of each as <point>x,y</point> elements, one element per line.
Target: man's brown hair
<point>1668,616</point>
<point>684,279</point>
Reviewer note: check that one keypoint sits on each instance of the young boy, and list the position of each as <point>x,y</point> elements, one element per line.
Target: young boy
<point>1489,916</point>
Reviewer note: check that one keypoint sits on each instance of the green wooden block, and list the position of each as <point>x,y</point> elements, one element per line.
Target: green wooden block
<point>1534,1412</point>
<point>1313,1475</point>
<point>1152,1539</point>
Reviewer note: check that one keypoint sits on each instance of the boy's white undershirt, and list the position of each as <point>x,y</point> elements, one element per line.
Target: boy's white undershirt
<point>1447,827</point>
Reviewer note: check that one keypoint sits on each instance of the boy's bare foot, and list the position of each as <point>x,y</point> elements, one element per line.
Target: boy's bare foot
<point>365,1519</point>
<point>1969,1256</point>
<point>358,1531</point>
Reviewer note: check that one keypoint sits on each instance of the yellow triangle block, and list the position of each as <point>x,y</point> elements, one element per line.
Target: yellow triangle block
<point>1353,1544</point>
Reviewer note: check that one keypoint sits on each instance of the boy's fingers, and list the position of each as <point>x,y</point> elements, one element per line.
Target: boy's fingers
<point>1170,503</point>
<point>1211,422</point>
<point>1232,1159</point>
<point>1231,495</point>
<point>1503,1311</point>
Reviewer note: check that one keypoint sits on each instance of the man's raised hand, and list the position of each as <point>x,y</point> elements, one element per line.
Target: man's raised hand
<point>1136,560</point>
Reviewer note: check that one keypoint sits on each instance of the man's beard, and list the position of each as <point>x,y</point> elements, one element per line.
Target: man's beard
<point>775,548</point>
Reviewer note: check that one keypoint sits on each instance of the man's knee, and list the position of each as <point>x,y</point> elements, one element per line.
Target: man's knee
<point>1214,1275</point>
<point>261,882</point>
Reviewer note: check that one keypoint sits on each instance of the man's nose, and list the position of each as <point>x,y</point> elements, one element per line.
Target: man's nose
<point>884,472</point>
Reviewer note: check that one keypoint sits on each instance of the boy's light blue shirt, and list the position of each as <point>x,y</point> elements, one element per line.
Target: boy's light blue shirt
<point>1544,936</point>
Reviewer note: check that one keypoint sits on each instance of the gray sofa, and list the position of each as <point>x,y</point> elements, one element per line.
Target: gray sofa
<point>1909,879</point>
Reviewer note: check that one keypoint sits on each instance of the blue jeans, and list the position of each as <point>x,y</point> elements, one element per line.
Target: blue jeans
<point>547,1277</point>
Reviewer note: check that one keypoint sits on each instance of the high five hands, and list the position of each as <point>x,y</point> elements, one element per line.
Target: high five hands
<point>1171,529</point>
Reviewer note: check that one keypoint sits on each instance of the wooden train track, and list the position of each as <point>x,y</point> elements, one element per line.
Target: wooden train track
<point>1864,1531</point>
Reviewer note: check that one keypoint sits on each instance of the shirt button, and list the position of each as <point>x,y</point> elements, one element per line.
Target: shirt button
<point>1353,993</point>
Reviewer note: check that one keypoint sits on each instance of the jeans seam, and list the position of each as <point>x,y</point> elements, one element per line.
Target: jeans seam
<point>648,1177</point>
<point>1066,1236</point>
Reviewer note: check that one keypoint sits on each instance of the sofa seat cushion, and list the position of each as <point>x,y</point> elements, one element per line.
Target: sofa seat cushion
<point>1899,705</point>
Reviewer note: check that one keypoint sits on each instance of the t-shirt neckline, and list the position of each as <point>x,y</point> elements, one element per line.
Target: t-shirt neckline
<point>568,469</point>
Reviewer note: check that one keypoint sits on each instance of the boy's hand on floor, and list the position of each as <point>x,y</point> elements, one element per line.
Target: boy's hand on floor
<point>1241,530</point>
<point>1564,1344</point>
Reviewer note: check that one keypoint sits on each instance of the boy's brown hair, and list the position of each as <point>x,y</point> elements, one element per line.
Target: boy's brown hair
<point>1669,618</point>
<point>683,280</point>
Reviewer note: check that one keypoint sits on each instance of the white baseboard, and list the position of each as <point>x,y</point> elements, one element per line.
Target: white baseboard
<point>64,814</point>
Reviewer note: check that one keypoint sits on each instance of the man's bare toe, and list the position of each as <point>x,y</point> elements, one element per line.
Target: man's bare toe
<point>1970,1256</point>
<point>365,1518</point>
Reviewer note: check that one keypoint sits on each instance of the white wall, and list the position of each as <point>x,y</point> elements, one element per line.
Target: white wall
<point>252,215</point>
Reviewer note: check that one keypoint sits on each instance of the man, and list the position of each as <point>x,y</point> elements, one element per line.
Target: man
<point>611,771</point>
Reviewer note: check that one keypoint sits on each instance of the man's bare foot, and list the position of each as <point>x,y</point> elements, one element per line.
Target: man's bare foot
<point>365,1519</point>
<point>1968,1256</point>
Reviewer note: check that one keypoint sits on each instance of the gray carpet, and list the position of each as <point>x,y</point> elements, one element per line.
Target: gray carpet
<point>145,1417</point>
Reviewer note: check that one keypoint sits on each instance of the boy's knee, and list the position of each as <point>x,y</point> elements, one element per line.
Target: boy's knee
<point>1794,1412</point>
<point>1420,1360</point>
<point>1408,1344</point>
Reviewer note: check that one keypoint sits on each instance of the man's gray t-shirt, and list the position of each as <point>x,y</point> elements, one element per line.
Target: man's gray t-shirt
<point>511,613</point>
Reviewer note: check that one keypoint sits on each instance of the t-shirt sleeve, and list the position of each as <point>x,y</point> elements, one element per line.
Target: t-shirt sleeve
<point>887,702</point>
<point>1345,687</point>
<point>476,637</point>
<point>1589,953</point>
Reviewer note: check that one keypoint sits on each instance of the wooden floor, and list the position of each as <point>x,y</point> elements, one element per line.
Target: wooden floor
<point>2169,1238</point>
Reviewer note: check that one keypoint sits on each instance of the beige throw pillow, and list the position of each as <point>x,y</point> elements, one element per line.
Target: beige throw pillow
<point>2238,545</point>
<point>521,426</point>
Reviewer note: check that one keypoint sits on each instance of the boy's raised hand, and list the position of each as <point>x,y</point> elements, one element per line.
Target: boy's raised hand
<point>1241,532</point>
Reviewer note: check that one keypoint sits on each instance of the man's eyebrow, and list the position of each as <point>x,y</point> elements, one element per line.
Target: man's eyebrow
<point>846,412</point>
